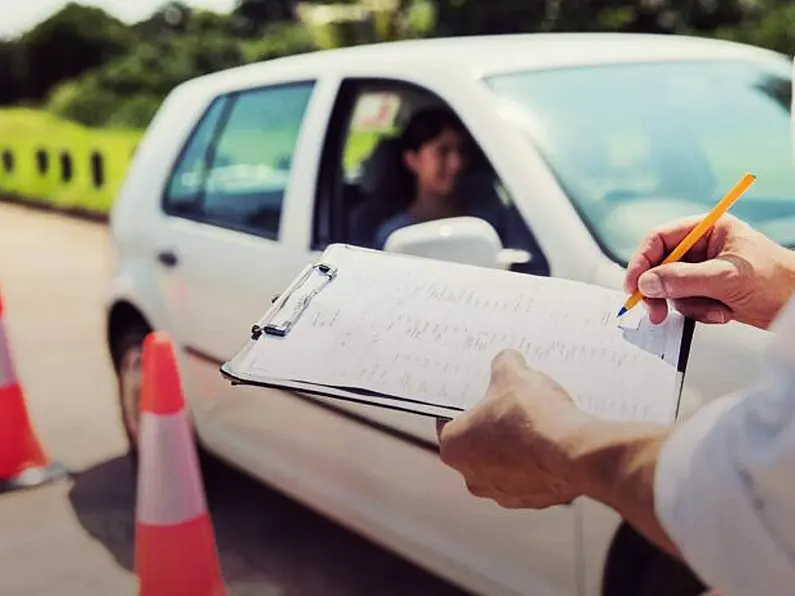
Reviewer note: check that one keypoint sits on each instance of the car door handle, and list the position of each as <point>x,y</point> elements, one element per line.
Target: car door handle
<point>168,258</point>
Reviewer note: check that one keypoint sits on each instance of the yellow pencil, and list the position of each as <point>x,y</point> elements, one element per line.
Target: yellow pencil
<point>696,233</point>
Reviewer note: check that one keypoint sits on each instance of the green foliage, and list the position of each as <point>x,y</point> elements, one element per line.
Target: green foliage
<point>11,72</point>
<point>281,39</point>
<point>770,24</point>
<point>89,67</point>
<point>253,17</point>
<point>71,42</point>
<point>127,91</point>
<point>420,18</point>
<point>102,81</point>
<point>475,17</point>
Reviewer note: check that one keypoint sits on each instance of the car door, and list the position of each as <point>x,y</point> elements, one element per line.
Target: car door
<point>358,168</point>
<point>530,545</point>
<point>225,203</point>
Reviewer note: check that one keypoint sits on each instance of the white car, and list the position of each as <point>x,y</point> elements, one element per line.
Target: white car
<point>586,142</point>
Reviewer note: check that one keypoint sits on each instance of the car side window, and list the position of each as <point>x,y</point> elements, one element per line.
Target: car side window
<point>238,179</point>
<point>184,191</point>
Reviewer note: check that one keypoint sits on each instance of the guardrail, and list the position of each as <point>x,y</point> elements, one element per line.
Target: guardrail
<point>48,160</point>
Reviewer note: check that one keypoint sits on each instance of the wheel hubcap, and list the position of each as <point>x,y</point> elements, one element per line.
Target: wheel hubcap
<point>130,391</point>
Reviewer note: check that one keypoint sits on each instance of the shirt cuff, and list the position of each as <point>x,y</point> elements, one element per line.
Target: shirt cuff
<point>712,499</point>
<point>682,483</point>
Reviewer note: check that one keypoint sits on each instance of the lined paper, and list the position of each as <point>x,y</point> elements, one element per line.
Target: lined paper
<point>426,330</point>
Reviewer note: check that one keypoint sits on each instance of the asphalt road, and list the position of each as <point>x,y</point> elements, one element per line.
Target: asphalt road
<point>76,536</point>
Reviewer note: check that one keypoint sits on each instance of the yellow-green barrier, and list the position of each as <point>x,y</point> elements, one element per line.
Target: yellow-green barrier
<point>47,159</point>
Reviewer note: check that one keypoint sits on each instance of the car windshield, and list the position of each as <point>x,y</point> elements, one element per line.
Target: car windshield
<point>636,145</point>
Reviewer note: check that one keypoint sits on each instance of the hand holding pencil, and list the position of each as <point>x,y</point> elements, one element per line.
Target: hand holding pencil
<point>714,269</point>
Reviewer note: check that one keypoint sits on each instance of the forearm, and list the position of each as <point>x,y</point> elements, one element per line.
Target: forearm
<point>614,463</point>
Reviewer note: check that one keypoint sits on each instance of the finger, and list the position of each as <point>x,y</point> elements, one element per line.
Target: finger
<point>511,503</point>
<point>440,424</point>
<point>445,433</point>
<point>658,244</point>
<point>709,279</point>
<point>507,363</point>
<point>529,502</point>
<point>442,428</point>
<point>478,490</point>
<point>658,310</point>
<point>704,310</point>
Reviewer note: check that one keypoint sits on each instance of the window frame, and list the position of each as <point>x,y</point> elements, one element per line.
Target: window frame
<point>230,98</point>
<point>331,175</point>
<point>329,222</point>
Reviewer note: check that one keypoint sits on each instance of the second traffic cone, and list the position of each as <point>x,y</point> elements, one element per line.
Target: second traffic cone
<point>175,552</point>
<point>23,462</point>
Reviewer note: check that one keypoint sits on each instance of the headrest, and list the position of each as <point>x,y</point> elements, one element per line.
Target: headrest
<point>383,172</point>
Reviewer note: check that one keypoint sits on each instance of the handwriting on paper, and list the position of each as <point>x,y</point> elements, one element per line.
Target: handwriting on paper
<point>430,333</point>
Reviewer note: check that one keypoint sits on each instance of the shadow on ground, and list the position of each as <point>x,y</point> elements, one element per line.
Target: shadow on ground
<point>269,545</point>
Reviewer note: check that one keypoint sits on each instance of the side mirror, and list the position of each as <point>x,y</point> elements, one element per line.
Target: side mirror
<point>467,240</point>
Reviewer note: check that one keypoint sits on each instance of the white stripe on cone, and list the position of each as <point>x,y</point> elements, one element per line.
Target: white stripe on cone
<point>7,375</point>
<point>170,489</point>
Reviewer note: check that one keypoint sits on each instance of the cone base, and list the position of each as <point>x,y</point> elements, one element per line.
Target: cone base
<point>178,560</point>
<point>33,477</point>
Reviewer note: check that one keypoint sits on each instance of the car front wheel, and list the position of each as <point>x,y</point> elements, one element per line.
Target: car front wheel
<point>128,350</point>
<point>128,356</point>
<point>638,568</point>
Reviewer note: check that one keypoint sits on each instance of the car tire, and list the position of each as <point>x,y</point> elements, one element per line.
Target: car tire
<point>666,576</point>
<point>638,568</point>
<point>127,350</point>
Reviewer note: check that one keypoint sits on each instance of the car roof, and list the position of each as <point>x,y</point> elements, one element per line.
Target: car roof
<point>487,55</point>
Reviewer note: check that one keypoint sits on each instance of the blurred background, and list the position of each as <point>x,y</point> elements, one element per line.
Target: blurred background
<point>93,74</point>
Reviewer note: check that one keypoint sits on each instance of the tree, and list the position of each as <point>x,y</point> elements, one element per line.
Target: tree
<point>71,42</point>
<point>254,16</point>
<point>12,81</point>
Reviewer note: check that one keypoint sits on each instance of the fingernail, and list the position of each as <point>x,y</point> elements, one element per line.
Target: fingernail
<point>715,315</point>
<point>651,285</point>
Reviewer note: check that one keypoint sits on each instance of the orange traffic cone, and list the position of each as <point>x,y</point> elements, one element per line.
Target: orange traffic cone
<point>23,463</point>
<point>175,553</point>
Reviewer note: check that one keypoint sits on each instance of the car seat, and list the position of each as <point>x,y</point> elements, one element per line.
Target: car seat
<point>387,188</point>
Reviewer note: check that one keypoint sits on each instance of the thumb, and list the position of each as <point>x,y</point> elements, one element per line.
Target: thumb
<point>687,280</point>
<point>506,363</point>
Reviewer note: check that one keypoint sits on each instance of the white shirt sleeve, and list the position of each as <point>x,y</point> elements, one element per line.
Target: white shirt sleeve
<point>725,481</point>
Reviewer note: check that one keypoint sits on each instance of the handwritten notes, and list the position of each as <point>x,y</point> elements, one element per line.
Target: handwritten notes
<point>428,331</point>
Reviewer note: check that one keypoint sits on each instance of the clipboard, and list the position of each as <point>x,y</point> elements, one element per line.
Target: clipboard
<point>308,285</point>
<point>286,313</point>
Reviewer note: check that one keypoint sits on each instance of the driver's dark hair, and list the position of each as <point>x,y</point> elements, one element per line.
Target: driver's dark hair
<point>427,124</point>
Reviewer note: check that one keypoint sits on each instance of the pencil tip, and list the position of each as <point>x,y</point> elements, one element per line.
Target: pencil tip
<point>622,311</point>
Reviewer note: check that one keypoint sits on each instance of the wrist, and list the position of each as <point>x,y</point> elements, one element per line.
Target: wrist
<point>616,465</point>
<point>610,460</point>
<point>787,267</point>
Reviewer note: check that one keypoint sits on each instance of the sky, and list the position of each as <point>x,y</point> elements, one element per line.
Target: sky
<point>17,16</point>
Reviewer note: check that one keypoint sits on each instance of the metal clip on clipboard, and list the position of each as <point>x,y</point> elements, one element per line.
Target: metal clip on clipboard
<point>310,284</point>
